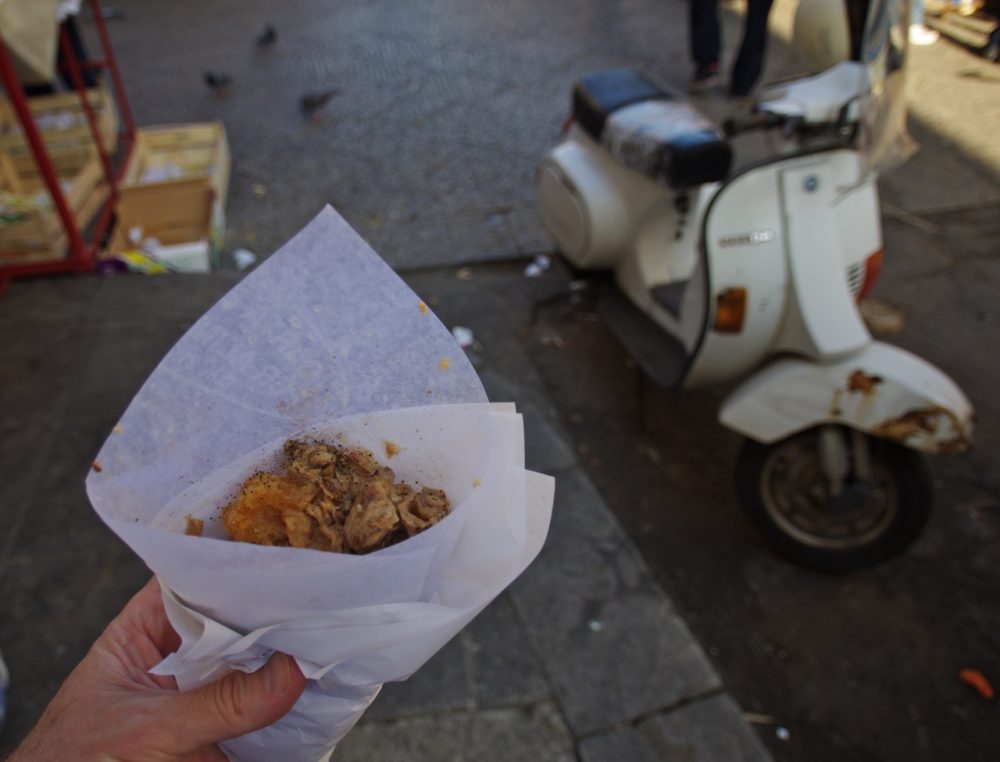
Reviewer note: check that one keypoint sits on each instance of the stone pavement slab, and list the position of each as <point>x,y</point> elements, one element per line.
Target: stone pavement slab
<point>442,685</point>
<point>710,730</point>
<point>506,672</point>
<point>546,449</point>
<point>495,735</point>
<point>615,745</point>
<point>611,643</point>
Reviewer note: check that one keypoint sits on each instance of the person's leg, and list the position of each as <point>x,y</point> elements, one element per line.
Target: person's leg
<point>750,61</point>
<point>705,42</point>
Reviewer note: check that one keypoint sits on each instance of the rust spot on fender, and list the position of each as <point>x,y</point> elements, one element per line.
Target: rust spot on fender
<point>953,446</point>
<point>859,381</point>
<point>908,424</point>
<point>931,423</point>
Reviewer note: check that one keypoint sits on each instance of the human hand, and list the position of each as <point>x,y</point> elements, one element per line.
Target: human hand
<point>111,709</point>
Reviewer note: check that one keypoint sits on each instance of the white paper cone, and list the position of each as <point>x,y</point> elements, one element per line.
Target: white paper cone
<point>322,340</point>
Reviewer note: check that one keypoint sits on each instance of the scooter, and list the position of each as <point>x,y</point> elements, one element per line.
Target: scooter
<point>710,275</point>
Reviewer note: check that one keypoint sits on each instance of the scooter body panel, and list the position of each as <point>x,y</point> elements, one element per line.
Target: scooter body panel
<point>744,248</point>
<point>830,224</point>
<point>793,257</point>
<point>666,251</point>
<point>591,204</point>
<point>882,390</point>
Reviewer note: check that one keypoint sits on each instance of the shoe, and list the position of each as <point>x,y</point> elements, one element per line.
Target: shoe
<point>922,35</point>
<point>705,78</point>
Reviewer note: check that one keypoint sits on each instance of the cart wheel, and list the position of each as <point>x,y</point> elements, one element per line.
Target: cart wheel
<point>788,498</point>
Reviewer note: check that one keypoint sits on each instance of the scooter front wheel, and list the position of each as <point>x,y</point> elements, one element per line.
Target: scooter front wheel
<point>839,527</point>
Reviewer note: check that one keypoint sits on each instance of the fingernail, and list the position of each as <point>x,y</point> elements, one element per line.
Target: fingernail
<point>277,674</point>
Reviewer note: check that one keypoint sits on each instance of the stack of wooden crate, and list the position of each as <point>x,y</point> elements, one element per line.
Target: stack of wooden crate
<point>30,227</point>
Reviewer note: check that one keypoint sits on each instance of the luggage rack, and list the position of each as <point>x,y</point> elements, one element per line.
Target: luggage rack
<point>83,242</point>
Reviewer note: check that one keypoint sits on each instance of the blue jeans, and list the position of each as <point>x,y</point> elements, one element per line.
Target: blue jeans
<point>916,12</point>
<point>705,41</point>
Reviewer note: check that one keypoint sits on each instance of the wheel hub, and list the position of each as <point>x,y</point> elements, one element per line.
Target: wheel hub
<point>797,496</point>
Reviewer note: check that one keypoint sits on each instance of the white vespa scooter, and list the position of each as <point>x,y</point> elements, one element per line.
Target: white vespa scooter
<point>718,275</point>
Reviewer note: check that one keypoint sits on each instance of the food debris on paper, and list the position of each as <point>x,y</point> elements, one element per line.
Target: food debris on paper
<point>391,448</point>
<point>331,498</point>
<point>96,467</point>
<point>423,308</point>
<point>445,363</point>
<point>193,527</point>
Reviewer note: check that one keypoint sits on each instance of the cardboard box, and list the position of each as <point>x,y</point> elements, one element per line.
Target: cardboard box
<point>175,186</point>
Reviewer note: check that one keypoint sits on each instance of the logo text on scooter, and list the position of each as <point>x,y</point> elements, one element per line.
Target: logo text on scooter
<point>753,238</point>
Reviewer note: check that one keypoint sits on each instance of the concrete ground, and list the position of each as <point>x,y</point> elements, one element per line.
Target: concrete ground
<point>429,151</point>
<point>583,657</point>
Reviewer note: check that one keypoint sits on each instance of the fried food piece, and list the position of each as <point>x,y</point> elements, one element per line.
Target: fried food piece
<point>194,527</point>
<point>331,498</point>
<point>422,510</point>
<point>258,514</point>
<point>372,519</point>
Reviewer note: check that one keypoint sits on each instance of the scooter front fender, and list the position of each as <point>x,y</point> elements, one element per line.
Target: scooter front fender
<point>883,390</point>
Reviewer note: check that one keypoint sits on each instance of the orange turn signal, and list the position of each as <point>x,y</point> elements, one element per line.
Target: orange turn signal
<point>730,309</point>
<point>873,269</point>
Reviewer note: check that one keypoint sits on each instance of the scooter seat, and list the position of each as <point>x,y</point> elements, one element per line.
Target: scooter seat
<point>650,130</point>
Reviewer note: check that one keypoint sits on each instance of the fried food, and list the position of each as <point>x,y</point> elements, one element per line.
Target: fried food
<point>331,498</point>
<point>193,527</point>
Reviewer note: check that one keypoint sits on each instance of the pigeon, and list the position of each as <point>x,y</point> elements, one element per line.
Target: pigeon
<point>311,103</point>
<point>267,38</point>
<point>217,82</point>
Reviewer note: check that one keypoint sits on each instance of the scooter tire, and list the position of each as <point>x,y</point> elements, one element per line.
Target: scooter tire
<point>913,489</point>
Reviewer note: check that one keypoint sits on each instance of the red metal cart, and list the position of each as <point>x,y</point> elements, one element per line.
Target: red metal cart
<point>83,246</point>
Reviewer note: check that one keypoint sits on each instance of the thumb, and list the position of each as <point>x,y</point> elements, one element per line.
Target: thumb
<point>237,703</point>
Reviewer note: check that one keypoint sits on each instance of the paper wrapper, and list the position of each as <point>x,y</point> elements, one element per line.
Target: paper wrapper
<point>322,341</point>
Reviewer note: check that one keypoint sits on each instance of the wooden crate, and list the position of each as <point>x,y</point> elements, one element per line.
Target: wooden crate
<point>64,127</point>
<point>175,186</point>
<point>30,228</point>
